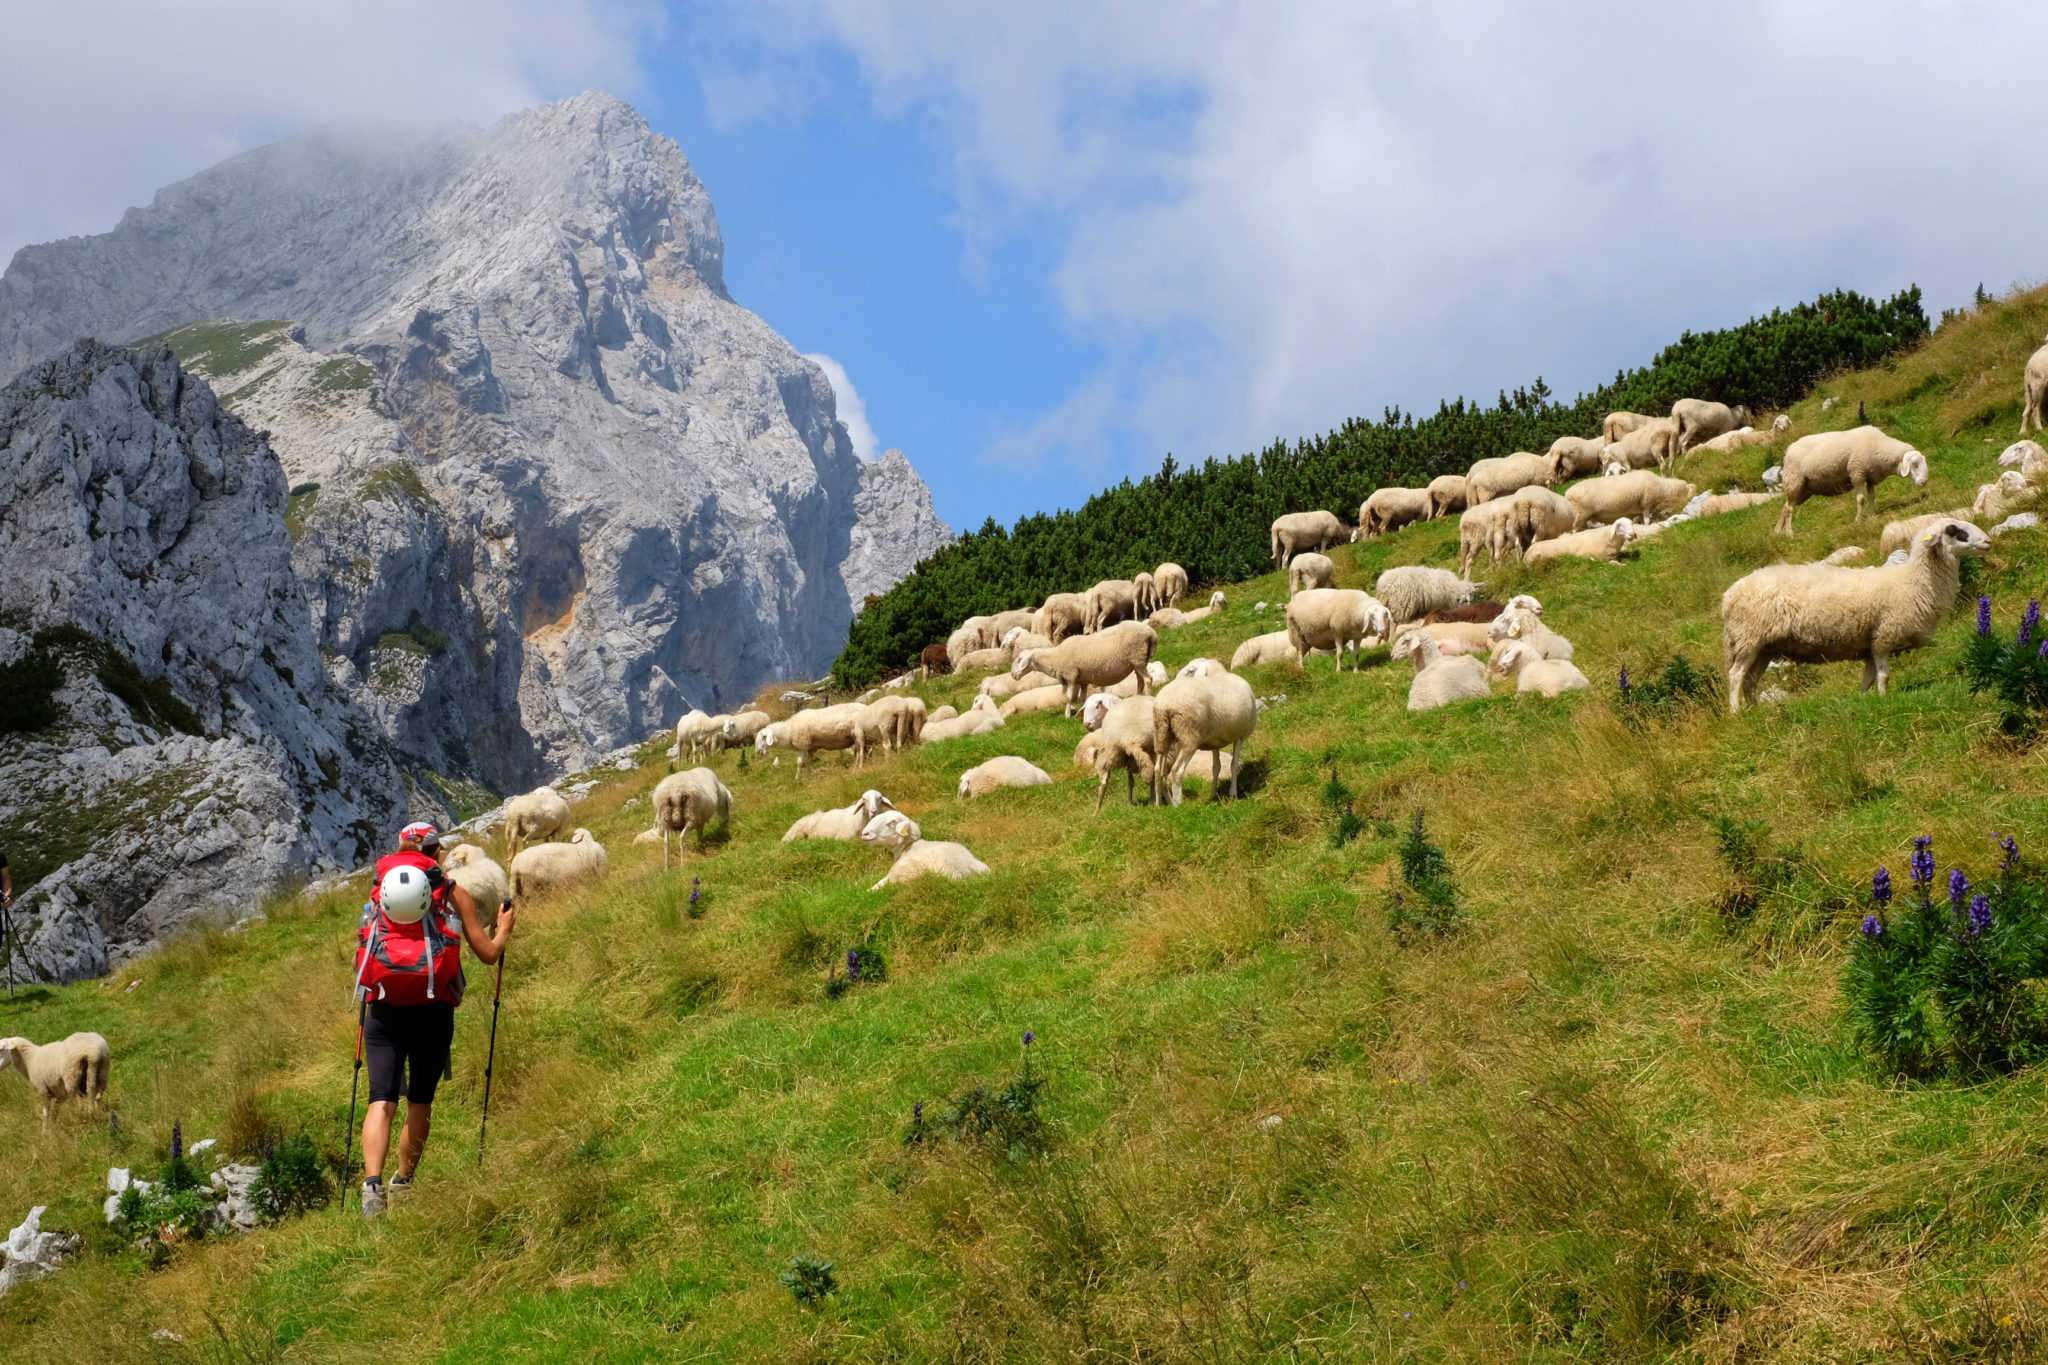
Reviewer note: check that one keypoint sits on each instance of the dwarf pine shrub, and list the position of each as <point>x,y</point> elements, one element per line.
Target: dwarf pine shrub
<point>291,1180</point>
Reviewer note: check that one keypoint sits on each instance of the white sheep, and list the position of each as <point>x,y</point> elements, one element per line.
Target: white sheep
<point>1459,637</point>
<point>1389,509</point>
<point>474,870</point>
<point>941,713</point>
<point>1847,554</point>
<point>1143,586</point>
<point>1039,701</point>
<point>1002,685</point>
<point>1745,437</point>
<point>1200,614</point>
<point>1110,601</point>
<point>1606,542</point>
<point>1639,495</point>
<point>1537,514</point>
<point>1153,675</point>
<point>2007,494</point>
<point>1264,649</point>
<point>1718,503</point>
<point>1573,456</point>
<point>1200,668</point>
<point>844,823</point>
<point>2034,392</point>
<point>689,800</point>
<point>1619,424</point>
<point>1830,463</point>
<point>1003,622</point>
<point>1440,679</point>
<point>1093,660</point>
<point>1899,535</point>
<point>1446,495</point>
<point>1698,421</point>
<point>1503,474</point>
<point>1650,446</point>
<point>1191,714</point>
<point>73,1068</point>
<point>539,814</point>
<point>1064,614</point>
<point>808,733</point>
<point>1023,637</point>
<point>893,722</point>
<point>552,867</point>
<point>1336,619</point>
<point>741,728</point>
<point>1824,613</point>
<point>1534,673</point>
<point>1169,585</point>
<point>972,635</point>
<point>915,855</point>
<point>997,773</point>
<point>1311,571</point>
<point>2026,456</point>
<point>980,718</point>
<point>1484,527</point>
<point>989,660</point>
<point>1294,532</point>
<point>696,731</point>
<point>1519,623</point>
<point>1412,591</point>
<point>1120,742</point>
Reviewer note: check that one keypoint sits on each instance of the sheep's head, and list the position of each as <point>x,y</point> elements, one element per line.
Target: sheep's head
<point>874,803</point>
<point>892,829</point>
<point>1095,710</point>
<point>1615,468</point>
<point>1199,668</point>
<point>11,1051</point>
<point>1378,623</point>
<point>582,836</point>
<point>1914,466</point>
<point>764,739</point>
<point>1513,657</point>
<point>1414,644</point>
<point>1156,672</point>
<point>1623,531</point>
<point>1740,413</point>
<point>985,703</point>
<point>1956,538</point>
<point>1216,600</point>
<point>1022,663</point>
<point>1782,422</point>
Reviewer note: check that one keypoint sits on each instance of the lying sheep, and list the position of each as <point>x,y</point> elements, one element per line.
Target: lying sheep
<point>1502,475</point>
<point>73,1068</point>
<point>989,660</point>
<point>915,855</point>
<point>1264,649</point>
<point>1481,612</point>
<point>555,867</point>
<point>1389,509</point>
<point>1848,554</point>
<point>2034,393</point>
<point>1639,495</point>
<point>1484,527</point>
<point>1718,503</point>
<point>1190,714</point>
<point>1520,623</point>
<point>1439,679</point>
<point>1446,495</point>
<point>740,729</point>
<point>941,713</point>
<point>997,773</point>
<point>844,823</point>
<point>1823,613</point>
<point>1573,457</point>
<point>1745,437</point>
<point>1607,542</point>
<point>1064,614</point>
<point>1201,614</point>
<point>1534,673</point>
<point>980,718</point>
<point>1110,601</point>
<point>1294,532</point>
<point>692,799</point>
<point>1650,446</point>
<point>1311,571</point>
<point>1460,637</point>
<point>1093,660</point>
<point>808,733</point>
<point>1039,700</point>
<point>1169,585</point>
<point>1412,591</point>
<point>540,814</point>
<point>2026,456</point>
<point>1830,463</point>
<point>1698,421</point>
<point>1619,424</point>
<point>1998,499</point>
<point>1002,685</point>
<point>1336,619</point>
<point>1023,637</point>
<point>472,869</point>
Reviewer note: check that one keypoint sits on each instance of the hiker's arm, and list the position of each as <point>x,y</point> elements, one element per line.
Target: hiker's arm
<point>488,947</point>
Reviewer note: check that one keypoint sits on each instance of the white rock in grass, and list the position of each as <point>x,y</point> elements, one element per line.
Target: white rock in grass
<point>29,1253</point>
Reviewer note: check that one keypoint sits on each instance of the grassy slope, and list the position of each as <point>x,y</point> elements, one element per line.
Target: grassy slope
<point>1600,1123</point>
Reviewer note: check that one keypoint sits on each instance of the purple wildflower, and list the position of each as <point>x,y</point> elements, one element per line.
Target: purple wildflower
<point>1881,886</point>
<point>853,963</point>
<point>1873,927</point>
<point>2031,621</point>
<point>1958,887</point>
<point>2042,652</point>
<point>1029,1038</point>
<point>177,1140</point>
<point>1980,914</point>
<point>1983,616</point>
<point>695,884</point>
<point>1923,863</point>
<point>2010,848</point>
<point>917,1112</point>
<point>1624,684</point>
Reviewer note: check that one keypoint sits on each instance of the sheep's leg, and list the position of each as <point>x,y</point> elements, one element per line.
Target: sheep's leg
<point>1859,502</point>
<point>1215,774</point>
<point>1784,526</point>
<point>1882,666</point>
<point>1235,749</point>
<point>1101,790</point>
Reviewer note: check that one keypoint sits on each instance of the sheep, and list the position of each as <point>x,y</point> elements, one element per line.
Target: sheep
<point>982,660</point>
<point>844,823</point>
<point>1698,421</point>
<point>1336,619</point>
<point>1607,542</point>
<point>1835,462</point>
<point>1169,585</point>
<point>1311,571</point>
<point>1482,612</point>
<point>941,713</point>
<point>1502,475</point>
<point>1412,591</point>
<point>1648,446</point>
<point>1483,527</point>
<point>540,814</point>
<point>1439,679</point>
<point>1110,601</point>
<point>1460,637</point>
<point>1745,437</point>
<point>1023,637</point>
<point>1122,741</point>
<point>1446,495</point>
<point>1389,509</point>
<point>741,728</point>
<point>970,637</point>
<point>1264,649</point>
<point>933,659</point>
<point>1825,613</point>
<point>1191,714</point>
<point>73,1068</point>
<point>915,855</point>
<point>997,773</point>
<point>1848,554</point>
<point>1093,660</point>
<point>1638,495</point>
<point>1520,623</point>
<point>1064,614</point>
<point>1200,614</point>
<point>1534,673</point>
<point>815,732</point>
<point>2026,456</point>
<point>1294,532</point>
<point>2034,392</point>
<point>472,869</point>
<point>1053,697</point>
<point>1900,535</point>
<point>894,722</point>
<point>1719,503</point>
<point>1573,456</point>
<point>1002,685</point>
<point>552,867</point>
<point>1537,514</point>
<point>977,719</point>
<point>2004,495</point>
<point>1141,583</point>
<point>1151,676</point>
<point>696,732</point>
<point>1619,424</point>
<point>689,800</point>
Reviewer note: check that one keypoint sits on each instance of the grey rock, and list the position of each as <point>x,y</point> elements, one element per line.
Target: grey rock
<point>29,1253</point>
<point>2018,521</point>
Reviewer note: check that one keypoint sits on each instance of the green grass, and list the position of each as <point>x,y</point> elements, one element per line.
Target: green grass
<point>1601,1122</point>
<point>222,348</point>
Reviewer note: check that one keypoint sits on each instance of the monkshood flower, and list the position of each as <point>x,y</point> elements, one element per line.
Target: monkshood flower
<point>1030,1038</point>
<point>1983,616</point>
<point>853,963</point>
<point>2009,847</point>
<point>1958,887</point>
<point>2031,621</point>
<point>1980,914</point>
<point>1881,886</point>
<point>696,885</point>
<point>177,1140</point>
<point>1873,927</point>
<point>1624,684</point>
<point>1922,863</point>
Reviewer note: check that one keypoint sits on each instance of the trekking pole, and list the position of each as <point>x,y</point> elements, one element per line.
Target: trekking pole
<point>348,1134</point>
<point>491,1056</point>
<point>7,939</point>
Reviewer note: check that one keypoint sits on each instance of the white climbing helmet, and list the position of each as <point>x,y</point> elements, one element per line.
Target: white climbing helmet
<point>404,895</point>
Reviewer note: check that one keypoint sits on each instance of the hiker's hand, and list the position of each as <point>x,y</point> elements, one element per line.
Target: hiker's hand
<point>508,918</point>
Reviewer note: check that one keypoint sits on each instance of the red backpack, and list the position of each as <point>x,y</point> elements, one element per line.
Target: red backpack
<point>408,964</point>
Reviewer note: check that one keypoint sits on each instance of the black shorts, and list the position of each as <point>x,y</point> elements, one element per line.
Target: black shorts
<point>410,1038</point>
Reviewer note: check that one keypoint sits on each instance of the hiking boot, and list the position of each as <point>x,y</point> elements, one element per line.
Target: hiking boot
<point>401,1186</point>
<point>374,1202</point>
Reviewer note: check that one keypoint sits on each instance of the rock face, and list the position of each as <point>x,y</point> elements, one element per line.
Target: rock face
<point>566,487</point>
<point>198,753</point>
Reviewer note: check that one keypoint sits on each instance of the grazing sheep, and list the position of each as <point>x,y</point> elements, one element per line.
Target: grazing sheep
<point>1003,622</point>
<point>933,659</point>
<point>814,732</point>
<point>2005,495</point>
<point>1110,601</point>
<point>1446,495</point>
<point>1502,475</point>
<point>697,732</point>
<point>1311,571</point>
<point>1574,456</point>
<point>2034,393</point>
<point>1698,421</point>
<point>2026,456</point>
<point>1412,591</point>
<point>1639,495</point>
<point>1142,585</point>
<point>73,1068</point>
<point>1483,527</point>
<point>1825,613</point>
<point>1481,612</point>
<point>1294,532</point>
<point>1336,619</point>
<point>1607,542</point>
<point>1121,742</point>
<point>1389,509</point>
<point>1264,649</point>
<point>1003,685</point>
<point>1718,503</point>
<point>1619,424</point>
<point>894,722</point>
<point>1439,679</point>
<point>1094,660</point>
<point>1830,463</point>
<point>1038,701</point>
<point>845,823</point>
<point>1534,673</point>
<point>1191,714</point>
<point>1537,514</point>
<point>971,636</point>
<point>997,773</point>
<point>689,800</point>
<point>472,869</point>
<point>741,728</point>
<point>1064,614</point>
<point>915,855</point>
<point>540,814</point>
<point>554,867</point>
<point>1521,623</point>
<point>1650,446</point>
<point>1169,584</point>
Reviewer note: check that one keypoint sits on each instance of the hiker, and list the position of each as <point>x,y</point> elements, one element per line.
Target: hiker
<point>409,975</point>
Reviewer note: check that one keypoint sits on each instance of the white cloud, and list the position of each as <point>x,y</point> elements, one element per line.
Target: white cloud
<point>1278,216</point>
<point>104,104</point>
<point>853,413</point>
